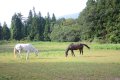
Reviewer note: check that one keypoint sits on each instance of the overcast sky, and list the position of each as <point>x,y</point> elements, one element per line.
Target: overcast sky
<point>58,7</point>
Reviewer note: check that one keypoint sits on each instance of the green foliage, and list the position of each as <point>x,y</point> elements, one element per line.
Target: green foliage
<point>28,24</point>
<point>53,19</point>
<point>17,27</point>
<point>34,26</point>
<point>69,32</point>
<point>28,29</point>
<point>98,22</point>
<point>5,32</point>
<point>1,32</point>
<point>100,19</point>
<point>47,29</point>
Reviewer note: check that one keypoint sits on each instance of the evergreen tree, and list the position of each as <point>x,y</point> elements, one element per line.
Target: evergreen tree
<point>34,34</point>
<point>1,32</point>
<point>5,32</point>
<point>17,27</point>
<point>100,20</point>
<point>34,12</point>
<point>34,26</point>
<point>47,30</point>
<point>53,20</point>
<point>34,30</point>
<point>28,25</point>
<point>41,22</point>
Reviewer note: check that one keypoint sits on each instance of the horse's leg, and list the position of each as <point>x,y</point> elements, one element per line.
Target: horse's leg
<point>82,51</point>
<point>27,55</point>
<point>19,52</point>
<point>14,53</point>
<point>72,53</point>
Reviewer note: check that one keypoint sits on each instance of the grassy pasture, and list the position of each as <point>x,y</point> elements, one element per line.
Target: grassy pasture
<point>102,62</point>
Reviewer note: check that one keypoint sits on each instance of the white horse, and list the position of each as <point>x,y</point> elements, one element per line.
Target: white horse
<point>26,47</point>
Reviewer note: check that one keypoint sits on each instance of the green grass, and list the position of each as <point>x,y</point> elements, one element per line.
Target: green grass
<point>96,64</point>
<point>106,46</point>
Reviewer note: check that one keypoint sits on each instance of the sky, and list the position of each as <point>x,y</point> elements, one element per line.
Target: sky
<point>59,7</point>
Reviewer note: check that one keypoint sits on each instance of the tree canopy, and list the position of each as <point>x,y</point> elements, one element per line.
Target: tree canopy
<point>100,20</point>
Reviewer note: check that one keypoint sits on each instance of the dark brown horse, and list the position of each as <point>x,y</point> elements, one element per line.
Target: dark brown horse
<point>75,47</point>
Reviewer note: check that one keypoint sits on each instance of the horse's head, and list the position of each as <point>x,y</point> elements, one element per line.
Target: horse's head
<point>36,52</point>
<point>66,52</point>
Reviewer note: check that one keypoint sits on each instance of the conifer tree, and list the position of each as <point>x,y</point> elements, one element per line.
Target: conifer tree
<point>47,28</point>
<point>5,32</point>
<point>17,27</point>
<point>28,24</point>
<point>0,32</point>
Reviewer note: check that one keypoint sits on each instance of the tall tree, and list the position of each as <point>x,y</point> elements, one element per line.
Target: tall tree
<point>34,26</point>
<point>34,30</point>
<point>41,22</point>
<point>47,28</point>
<point>17,27</point>
<point>28,24</point>
<point>0,32</point>
<point>34,12</point>
<point>5,32</point>
<point>87,20</point>
<point>53,21</point>
<point>34,34</point>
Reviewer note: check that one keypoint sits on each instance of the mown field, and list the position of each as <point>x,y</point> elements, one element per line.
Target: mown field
<point>101,62</point>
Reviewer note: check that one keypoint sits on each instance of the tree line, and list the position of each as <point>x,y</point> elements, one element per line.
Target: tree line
<point>35,27</point>
<point>99,21</point>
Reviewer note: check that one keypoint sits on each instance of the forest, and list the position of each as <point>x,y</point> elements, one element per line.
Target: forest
<point>98,22</point>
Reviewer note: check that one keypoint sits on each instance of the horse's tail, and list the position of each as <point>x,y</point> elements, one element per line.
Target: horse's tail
<point>86,46</point>
<point>14,52</point>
